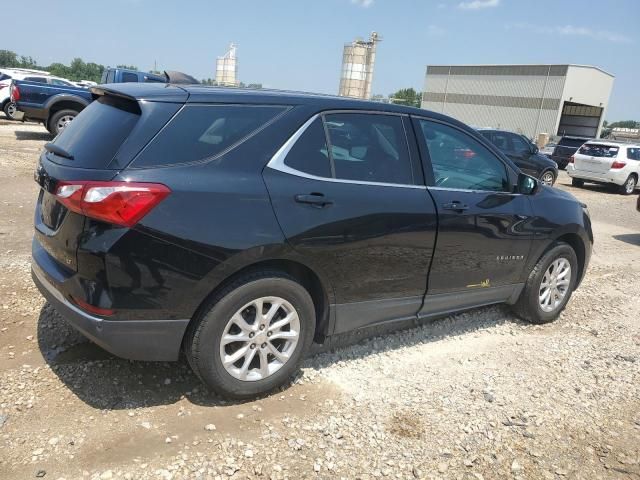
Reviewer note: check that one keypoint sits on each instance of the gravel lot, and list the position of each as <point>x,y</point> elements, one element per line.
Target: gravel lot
<point>475,396</point>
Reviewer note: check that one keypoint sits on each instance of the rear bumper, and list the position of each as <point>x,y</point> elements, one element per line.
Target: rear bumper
<point>33,113</point>
<point>152,340</point>
<point>617,177</point>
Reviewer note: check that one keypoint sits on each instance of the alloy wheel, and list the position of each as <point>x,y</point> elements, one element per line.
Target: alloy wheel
<point>548,178</point>
<point>555,285</point>
<point>259,338</point>
<point>11,110</point>
<point>630,186</point>
<point>63,122</point>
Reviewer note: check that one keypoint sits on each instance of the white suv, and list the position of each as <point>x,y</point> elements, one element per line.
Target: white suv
<point>606,162</point>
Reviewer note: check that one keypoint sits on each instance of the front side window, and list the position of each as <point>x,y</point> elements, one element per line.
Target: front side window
<point>199,132</point>
<point>597,150</point>
<point>36,79</point>
<point>310,153</point>
<point>55,81</point>
<point>502,141</point>
<point>368,147</point>
<point>460,162</point>
<point>520,146</point>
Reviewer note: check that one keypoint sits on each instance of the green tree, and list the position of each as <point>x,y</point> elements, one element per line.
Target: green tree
<point>624,124</point>
<point>127,67</point>
<point>406,96</point>
<point>8,59</point>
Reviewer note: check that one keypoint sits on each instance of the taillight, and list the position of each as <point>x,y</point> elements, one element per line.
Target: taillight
<point>14,93</point>
<point>87,307</point>
<point>120,203</point>
<point>617,164</point>
<point>572,159</point>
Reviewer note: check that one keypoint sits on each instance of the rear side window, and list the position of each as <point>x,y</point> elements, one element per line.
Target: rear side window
<point>199,132</point>
<point>633,153</point>
<point>370,148</point>
<point>597,150</point>
<point>310,153</point>
<point>128,77</point>
<point>95,136</point>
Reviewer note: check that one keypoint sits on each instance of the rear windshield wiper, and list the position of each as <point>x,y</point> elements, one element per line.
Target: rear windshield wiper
<point>59,151</point>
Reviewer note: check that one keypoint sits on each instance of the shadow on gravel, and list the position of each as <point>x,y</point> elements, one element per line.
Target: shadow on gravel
<point>631,238</point>
<point>595,187</point>
<point>29,135</point>
<point>107,382</point>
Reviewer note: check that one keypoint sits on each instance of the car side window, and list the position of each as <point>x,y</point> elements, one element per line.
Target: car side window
<point>128,77</point>
<point>36,79</point>
<point>62,83</point>
<point>633,153</point>
<point>310,153</point>
<point>502,141</point>
<point>461,162</point>
<point>369,147</point>
<point>520,146</point>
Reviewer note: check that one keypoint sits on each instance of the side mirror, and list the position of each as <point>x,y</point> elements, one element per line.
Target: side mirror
<point>534,148</point>
<point>527,185</point>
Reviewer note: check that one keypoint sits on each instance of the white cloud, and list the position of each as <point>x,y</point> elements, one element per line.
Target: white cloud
<point>571,31</point>
<point>435,31</point>
<point>362,3</point>
<point>478,4</point>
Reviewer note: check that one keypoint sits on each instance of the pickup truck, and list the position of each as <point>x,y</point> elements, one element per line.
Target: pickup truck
<point>56,105</point>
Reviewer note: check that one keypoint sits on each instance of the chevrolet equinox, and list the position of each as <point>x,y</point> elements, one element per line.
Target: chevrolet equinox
<point>240,226</point>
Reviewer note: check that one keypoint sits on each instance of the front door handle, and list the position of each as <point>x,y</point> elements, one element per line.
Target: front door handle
<point>457,206</point>
<point>317,200</point>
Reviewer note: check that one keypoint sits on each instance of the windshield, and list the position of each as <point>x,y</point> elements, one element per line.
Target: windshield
<point>595,150</point>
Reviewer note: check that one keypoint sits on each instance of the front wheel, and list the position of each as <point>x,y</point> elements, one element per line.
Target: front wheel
<point>629,185</point>
<point>60,120</point>
<point>548,178</point>
<point>576,182</point>
<point>549,286</point>
<point>253,336</point>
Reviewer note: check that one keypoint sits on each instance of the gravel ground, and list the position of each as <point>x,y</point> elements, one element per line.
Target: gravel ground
<point>475,396</point>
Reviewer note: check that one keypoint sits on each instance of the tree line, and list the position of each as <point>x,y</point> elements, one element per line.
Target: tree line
<point>77,70</point>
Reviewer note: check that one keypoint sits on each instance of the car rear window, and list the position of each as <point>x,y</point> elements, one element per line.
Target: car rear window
<point>94,136</point>
<point>199,132</point>
<point>597,150</point>
<point>571,142</point>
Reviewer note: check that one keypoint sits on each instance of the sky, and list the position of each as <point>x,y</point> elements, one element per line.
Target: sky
<point>297,44</point>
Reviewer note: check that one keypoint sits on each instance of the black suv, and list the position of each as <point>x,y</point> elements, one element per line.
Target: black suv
<point>524,154</point>
<point>565,149</point>
<point>240,226</point>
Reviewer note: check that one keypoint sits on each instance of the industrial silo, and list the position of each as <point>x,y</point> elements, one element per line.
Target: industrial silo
<point>358,59</point>
<point>227,68</point>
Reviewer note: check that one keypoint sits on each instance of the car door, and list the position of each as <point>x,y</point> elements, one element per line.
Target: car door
<point>523,156</point>
<point>348,192</point>
<point>483,238</point>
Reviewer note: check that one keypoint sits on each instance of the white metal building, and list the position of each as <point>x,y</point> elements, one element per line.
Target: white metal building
<point>358,59</point>
<point>529,99</point>
<point>227,68</point>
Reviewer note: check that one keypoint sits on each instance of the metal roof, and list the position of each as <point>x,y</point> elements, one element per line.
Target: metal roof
<point>523,65</point>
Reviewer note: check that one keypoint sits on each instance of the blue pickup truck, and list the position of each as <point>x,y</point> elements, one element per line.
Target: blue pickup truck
<point>56,106</point>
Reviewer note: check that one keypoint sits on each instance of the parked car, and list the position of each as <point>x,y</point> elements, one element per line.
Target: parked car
<point>9,74</point>
<point>57,104</point>
<point>241,225</point>
<point>54,105</point>
<point>524,154</point>
<point>548,149</point>
<point>125,75</point>
<point>606,162</point>
<point>566,147</point>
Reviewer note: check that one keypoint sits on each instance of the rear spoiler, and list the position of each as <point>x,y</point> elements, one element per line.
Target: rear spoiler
<point>99,91</point>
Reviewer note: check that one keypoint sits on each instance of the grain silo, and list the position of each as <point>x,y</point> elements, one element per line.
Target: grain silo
<point>358,58</point>
<point>227,68</point>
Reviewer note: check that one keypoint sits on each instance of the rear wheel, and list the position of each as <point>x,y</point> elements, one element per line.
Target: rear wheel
<point>60,120</point>
<point>10,110</point>
<point>252,336</point>
<point>549,286</point>
<point>576,182</point>
<point>548,178</point>
<point>629,185</point>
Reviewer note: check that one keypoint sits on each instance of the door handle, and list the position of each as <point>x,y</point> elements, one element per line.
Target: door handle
<point>457,206</point>
<point>317,200</point>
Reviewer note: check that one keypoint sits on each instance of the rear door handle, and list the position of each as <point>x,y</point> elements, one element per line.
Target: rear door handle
<point>317,200</point>
<point>457,206</point>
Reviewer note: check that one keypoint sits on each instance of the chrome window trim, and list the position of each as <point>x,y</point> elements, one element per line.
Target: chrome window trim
<point>484,192</point>
<point>277,161</point>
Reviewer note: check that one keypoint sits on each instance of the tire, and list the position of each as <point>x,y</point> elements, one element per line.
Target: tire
<point>203,341</point>
<point>548,178</point>
<point>629,185</point>
<point>9,109</point>
<point>576,182</point>
<point>528,307</point>
<point>59,120</point>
